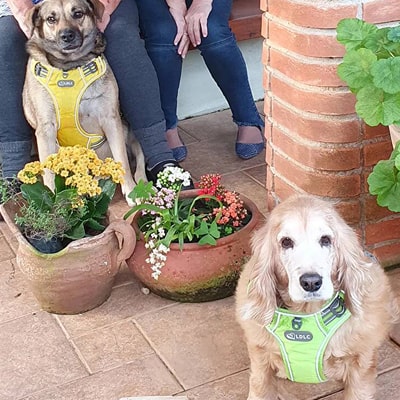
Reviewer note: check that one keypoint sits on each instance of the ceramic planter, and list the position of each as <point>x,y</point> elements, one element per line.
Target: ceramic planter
<point>198,273</point>
<point>394,131</point>
<point>79,277</point>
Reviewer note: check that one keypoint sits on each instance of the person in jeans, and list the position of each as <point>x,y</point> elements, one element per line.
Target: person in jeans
<point>168,27</point>
<point>127,56</point>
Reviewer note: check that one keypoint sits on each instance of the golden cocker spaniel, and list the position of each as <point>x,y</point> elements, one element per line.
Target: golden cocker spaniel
<point>312,305</point>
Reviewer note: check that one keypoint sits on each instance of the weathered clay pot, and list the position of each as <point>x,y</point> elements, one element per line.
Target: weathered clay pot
<point>79,277</point>
<point>394,131</point>
<point>198,273</point>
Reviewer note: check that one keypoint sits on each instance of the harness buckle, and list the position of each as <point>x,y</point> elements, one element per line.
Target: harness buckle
<point>297,323</point>
<point>40,70</point>
<point>89,68</point>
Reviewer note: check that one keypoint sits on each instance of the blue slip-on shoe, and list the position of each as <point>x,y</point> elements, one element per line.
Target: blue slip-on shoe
<point>250,150</point>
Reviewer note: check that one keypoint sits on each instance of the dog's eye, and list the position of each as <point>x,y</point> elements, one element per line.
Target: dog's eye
<point>51,19</point>
<point>287,243</point>
<point>78,15</point>
<point>325,241</point>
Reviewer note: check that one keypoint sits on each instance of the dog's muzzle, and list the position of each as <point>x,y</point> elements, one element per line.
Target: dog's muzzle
<point>69,39</point>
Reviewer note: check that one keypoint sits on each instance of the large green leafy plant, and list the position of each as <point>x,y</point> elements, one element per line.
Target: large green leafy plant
<point>371,69</point>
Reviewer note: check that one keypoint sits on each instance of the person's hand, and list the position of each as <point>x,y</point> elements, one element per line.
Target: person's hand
<point>196,20</point>
<point>181,39</point>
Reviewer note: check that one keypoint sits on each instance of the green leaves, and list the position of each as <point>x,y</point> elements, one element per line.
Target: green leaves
<point>355,69</point>
<point>371,69</point>
<point>352,32</point>
<point>377,107</point>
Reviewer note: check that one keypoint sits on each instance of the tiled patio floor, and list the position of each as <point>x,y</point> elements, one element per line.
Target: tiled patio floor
<point>143,345</point>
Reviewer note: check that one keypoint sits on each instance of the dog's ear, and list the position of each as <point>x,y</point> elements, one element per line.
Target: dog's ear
<point>353,267</point>
<point>261,291</point>
<point>32,19</point>
<point>97,7</point>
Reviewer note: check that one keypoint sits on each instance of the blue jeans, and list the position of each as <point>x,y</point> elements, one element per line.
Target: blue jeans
<point>15,133</point>
<point>219,50</point>
<point>139,93</point>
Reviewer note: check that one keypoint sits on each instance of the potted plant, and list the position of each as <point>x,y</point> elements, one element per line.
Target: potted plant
<point>371,69</point>
<point>191,244</point>
<point>78,275</point>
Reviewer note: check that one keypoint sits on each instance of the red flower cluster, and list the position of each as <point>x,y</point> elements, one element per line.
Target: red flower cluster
<point>233,210</point>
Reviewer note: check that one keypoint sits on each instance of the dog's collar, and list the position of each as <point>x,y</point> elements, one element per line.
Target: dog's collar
<point>303,338</point>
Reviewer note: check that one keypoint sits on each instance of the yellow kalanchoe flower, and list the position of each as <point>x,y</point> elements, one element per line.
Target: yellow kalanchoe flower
<point>30,172</point>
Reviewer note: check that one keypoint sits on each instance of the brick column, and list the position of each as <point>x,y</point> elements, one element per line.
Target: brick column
<point>315,142</point>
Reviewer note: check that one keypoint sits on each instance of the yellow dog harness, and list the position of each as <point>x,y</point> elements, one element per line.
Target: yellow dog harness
<point>66,88</point>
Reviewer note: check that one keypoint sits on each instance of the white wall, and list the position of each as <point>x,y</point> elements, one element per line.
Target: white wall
<point>198,93</point>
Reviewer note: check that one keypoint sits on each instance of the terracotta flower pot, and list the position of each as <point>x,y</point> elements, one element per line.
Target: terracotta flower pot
<point>394,131</point>
<point>198,273</point>
<point>79,277</point>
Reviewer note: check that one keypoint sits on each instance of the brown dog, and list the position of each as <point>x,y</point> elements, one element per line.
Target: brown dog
<point>312,305</point>
<point>66,55</point>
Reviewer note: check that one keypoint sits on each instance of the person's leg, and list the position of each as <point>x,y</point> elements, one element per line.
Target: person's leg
<point>228,68</point>
<point>158,29</point>
<point>15,133</point>
<point>137,81</point>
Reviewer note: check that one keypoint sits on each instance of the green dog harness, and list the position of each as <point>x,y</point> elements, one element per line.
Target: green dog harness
<point>66,88</point>
<point>303,338</point>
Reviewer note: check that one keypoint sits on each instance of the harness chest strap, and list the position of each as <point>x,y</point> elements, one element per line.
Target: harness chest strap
<point>303,338</point>
<point>66,88</point>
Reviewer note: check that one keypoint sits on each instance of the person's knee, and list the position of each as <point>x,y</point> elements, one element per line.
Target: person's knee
<point>217,33</point>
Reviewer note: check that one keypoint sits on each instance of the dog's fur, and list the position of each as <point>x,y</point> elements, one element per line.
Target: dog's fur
<point>51,22</point>
<point>306,235</point>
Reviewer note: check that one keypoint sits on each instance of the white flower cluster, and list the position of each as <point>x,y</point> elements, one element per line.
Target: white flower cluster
<point>173,177</point>
<point>157,255</point>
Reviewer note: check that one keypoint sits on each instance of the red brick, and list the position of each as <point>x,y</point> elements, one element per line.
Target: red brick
<point>264,26</point>
<point>265,56</point>
<point>310,99</point>
<point>313,155</point>
<point>373,152</point>
<point>381,11</point>
<point>310,71</point>
<point>304,41</point>
<point>327,129</point>
<point>321,184</point>
<point>263,5</point>
<point>382,231</point>
<point>283,190</point>
<point>388,255</point>
<point>371,132</point>
<point>373,211</point>
<point>350,211</point>
<point>319,15</point>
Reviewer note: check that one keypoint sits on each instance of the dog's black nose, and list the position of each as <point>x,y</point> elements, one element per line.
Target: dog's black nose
<point>311,282</point>
<point>67,35</point>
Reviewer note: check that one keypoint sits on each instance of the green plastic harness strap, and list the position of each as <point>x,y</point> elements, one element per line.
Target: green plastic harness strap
<point>303,338</point>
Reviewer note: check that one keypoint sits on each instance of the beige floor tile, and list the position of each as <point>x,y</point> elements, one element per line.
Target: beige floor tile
<point>388,387</point>
<point>234,387</point>
<point>112,346</point>
<point>125,301</point>
<point>389,356</point>
<point>301,391</point>
<point>217,157</point>
<point>199,342</point>
<point>16,299</point>
<point>6,253</point>
<point>259,174</point>
<point>147,376</point>
<point>34,354</point>
<point>217,126</point>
